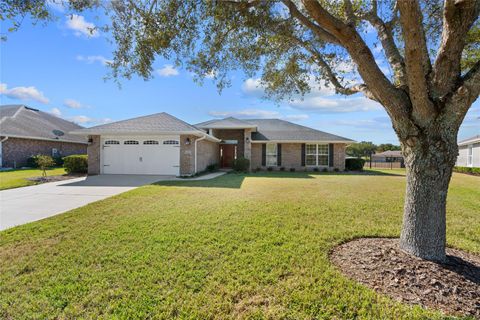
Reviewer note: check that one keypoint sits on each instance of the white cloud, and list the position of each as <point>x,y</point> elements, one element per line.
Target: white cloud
<point>81,27</point>
<point>56,112</point>
<point>72,104</point>
<point>258,114</point>
<point>84,120</point>
<point>23,93</point>
<point>333,105</point>
<point>167,71</point>
<point>253,86</point>
<point>93,59</point>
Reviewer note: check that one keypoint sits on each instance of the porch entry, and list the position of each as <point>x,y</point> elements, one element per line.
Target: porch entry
<point>228,153</point>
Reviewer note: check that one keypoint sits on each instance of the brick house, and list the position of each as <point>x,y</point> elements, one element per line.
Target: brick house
<point>163,144</point>
<point>25,132</point>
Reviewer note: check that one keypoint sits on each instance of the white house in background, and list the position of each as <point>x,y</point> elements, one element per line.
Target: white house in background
<point>469,152</point>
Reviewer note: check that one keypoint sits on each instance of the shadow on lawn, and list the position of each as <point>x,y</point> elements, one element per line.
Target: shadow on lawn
<point>235,180</point>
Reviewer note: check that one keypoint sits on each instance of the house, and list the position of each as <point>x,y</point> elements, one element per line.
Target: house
<point>25,132</point>
<point>388,156</point>
<point>163,144</point>
<point>469,152</point>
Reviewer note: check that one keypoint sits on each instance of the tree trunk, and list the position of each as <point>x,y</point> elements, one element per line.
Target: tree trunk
<point>429,161</point>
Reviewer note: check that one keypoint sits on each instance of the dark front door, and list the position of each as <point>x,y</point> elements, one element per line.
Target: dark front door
<point>227,155</point>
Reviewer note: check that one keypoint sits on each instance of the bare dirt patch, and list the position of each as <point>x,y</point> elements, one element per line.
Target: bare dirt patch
<point>452,287</point>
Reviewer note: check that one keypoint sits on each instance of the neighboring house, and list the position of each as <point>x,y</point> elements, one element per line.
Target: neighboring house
<point>25,132</point>
<point>163,144</point>
<point>469,152</point>
<point>388,156</point>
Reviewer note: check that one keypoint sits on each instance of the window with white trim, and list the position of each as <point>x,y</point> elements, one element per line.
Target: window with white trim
<point>130,142</point>
<point>316,155</point>
<point>271,155</point>
<point>150,142</point>
<point>470,155</point>
<point>170,142</point>
<point>112,142</point>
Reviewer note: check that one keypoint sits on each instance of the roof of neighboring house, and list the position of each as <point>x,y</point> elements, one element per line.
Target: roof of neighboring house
<point>389,153</point>
<point>227,123</point>
<point>470,140</point>
<point>281,130</point>
<point>159,123</point>
<point>20,121</point>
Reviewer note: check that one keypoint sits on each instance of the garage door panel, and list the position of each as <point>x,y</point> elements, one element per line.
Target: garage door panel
<point>151,157</point>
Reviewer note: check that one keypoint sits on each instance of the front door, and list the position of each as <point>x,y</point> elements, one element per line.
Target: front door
<point>227,155</point>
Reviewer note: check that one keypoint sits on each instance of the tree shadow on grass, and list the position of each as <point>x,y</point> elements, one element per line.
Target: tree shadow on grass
<point>235,180</point>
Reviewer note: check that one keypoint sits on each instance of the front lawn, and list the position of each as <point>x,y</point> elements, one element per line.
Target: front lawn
<point>239,246</point>
<point>18,178</point>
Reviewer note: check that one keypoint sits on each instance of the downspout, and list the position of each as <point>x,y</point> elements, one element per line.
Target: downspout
<point>1,151</point>
<point>196,140</point>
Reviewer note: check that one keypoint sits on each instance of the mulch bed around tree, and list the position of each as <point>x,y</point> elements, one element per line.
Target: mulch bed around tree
<point>452,287</point>
<point>39,180</point>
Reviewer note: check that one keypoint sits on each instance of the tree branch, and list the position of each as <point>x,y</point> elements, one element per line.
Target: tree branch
<point>385,34</point>
<point>458,18</point>
<point>417,61</point>
<point>319,32</point>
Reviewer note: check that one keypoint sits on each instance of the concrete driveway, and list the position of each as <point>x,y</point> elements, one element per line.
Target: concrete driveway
<point>27,204</point>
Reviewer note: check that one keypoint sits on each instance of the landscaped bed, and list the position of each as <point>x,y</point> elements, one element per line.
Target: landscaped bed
<point>238,246</point>
<point>26,177</point>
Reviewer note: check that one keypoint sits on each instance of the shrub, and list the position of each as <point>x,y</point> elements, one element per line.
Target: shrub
<point>324,170</point>
<point>44,162</point>
<point>77,163</point>
<point>292,169</point>
<point>212,167</point>
<point>58,161</point>
<point>354,164</point>
<point>282,168</point>
<point>270,168</point>
<point>467,170</point>
<point>241,164</point>
<point>32,161</point>
<point>316,169</point>
<point>336,169</point>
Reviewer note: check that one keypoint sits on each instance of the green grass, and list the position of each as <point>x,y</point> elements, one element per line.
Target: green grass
<point>239,246</point>
<point>18,178</point>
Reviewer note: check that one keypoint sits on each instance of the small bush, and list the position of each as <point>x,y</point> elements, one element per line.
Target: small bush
<point>241,165</point>
<point>212,167</point>
<point>32,161</point>
<point>77,163</point>
<point>282,168</point>
<point>324,170</point>
<point>44,162</point>
<point>467,170</point>
<point>354,164</point>
<point>270,168</point>
<point>58,161</point>
<point>336,169</point>
<point>316,169</point>
<point>292,169</point>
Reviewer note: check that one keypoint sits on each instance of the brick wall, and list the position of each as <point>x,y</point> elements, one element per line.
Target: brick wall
<point>292,156</point>
<point>93,152</point>
<point>16,151</point>
<point>208,153</point>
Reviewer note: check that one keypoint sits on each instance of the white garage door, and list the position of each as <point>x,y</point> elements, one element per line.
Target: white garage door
<point>141,155</point>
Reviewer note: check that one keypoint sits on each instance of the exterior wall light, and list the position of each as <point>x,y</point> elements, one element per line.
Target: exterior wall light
<point>187,141</point>
<point>247,140</point>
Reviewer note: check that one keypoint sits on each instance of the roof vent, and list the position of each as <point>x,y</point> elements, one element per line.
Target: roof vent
<point>58,133</point>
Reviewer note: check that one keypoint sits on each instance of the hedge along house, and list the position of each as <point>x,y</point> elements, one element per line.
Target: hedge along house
<point>25,132</point>
<point>162,144</point>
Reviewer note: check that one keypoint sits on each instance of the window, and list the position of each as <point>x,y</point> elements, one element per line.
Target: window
<point>170,142</point>
<point>316,155</point>
<point>130,142</point>
<point>112,142</point>
<point>150,142</point>
<point>271,155</point>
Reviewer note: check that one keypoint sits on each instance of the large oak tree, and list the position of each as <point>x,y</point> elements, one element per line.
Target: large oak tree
<point>432,48</point>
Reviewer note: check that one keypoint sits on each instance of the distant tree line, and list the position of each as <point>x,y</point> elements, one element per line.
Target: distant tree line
<point>366,148</point>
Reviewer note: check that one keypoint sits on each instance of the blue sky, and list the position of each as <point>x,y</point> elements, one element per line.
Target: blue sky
<point>60,68</point>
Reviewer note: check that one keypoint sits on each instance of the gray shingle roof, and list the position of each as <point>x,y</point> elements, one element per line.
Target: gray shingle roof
<point>22,121</point>
<point>281,130</point>
<point>226,123</point>
<point>155,123</point>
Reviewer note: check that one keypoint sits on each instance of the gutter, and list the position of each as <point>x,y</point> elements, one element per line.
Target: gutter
<point>196,140</point>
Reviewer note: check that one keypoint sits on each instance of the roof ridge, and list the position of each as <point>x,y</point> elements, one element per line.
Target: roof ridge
<point>124,120</point>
